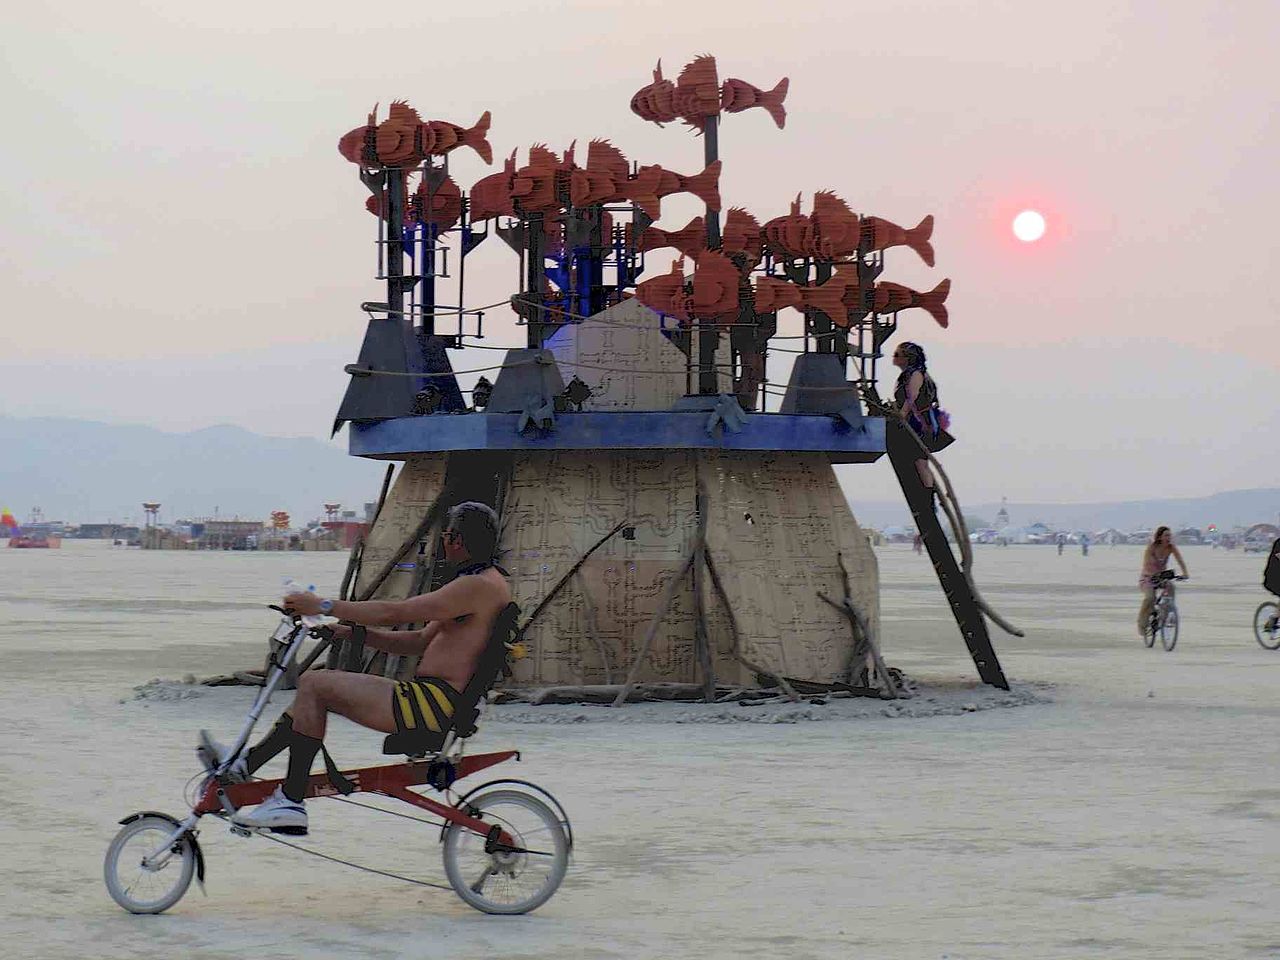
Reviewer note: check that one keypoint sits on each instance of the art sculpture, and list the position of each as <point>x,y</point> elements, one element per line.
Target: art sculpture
<point>671,519</point>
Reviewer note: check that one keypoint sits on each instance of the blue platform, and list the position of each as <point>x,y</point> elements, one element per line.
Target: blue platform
<point>623,430</point>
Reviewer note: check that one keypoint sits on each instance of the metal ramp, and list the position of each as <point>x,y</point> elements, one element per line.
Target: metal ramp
<point>903,453</point>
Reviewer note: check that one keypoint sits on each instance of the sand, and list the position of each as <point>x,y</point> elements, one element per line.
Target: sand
<point>1118,802</point>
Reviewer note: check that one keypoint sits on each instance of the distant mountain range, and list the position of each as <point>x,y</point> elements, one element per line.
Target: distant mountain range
<point>83,471</point>
<point>1229,509</point>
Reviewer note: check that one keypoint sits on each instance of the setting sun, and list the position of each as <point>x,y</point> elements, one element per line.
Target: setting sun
<point>1028,226</point>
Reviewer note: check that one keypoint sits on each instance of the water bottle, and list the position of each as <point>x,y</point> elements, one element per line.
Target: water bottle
<point>293,586</point>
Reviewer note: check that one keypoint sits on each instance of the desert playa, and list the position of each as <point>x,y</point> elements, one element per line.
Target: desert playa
<point>1117,802</point>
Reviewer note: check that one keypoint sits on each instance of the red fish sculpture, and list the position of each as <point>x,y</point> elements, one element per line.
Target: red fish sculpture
<point>404,138</point>
<point>879,234</point>
<point>773,295</point>
<point>697,94</point>
<point>665,293</point>
<point>836,228</point>
<point>790,235</point>
<point>438,137</point>
<point>892,297</point>
<point>705,185</point>
<point>738,95</point>
<point>715,287</point>
<point>441,207</point>
<point>827,297</point>
<point>657,101</point>
<point>741,234</point>
<point>690,240</point>
<point>491,195</point>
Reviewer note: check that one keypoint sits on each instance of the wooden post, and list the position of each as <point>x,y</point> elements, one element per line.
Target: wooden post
<point>701,637</point>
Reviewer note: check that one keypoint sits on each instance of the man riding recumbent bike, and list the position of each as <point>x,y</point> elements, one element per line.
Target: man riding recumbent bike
<point>506,843</point>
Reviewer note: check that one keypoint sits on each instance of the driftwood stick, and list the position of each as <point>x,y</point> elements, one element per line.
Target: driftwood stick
<point>668,596</point>
<point>609,692</point>
<point>701,636</point>
<point>542,604</point>
<point>858,626</point>
<point>736,651</point>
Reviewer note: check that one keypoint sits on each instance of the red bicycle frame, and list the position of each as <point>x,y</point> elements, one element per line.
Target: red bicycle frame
<point>391,780</point>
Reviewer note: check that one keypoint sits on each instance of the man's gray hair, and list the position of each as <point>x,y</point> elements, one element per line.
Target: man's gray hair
<point>477,524</point>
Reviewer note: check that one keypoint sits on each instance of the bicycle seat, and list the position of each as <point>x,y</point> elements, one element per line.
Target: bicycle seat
<point>490,668</point>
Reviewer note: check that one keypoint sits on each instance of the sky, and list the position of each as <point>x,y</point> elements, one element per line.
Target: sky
<point>183,245</point>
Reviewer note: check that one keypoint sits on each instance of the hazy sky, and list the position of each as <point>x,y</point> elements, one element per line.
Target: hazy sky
<point>184,246</point>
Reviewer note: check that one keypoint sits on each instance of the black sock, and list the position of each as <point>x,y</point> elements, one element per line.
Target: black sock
<point>276,740</point>
<point>302,751</point>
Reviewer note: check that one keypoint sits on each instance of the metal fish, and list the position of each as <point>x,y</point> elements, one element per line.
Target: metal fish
<point>705,185</point>
<point>880,234</point>
<point>773,295</point>
<point>892,297</point>
<point>656,101</point>
<point>741,234</point>
<point>715,286</point>
<point>738,95</point>
<point>697,94</point>
<point>438,137</point>
<point>691,240</point>
<point>665,293</point>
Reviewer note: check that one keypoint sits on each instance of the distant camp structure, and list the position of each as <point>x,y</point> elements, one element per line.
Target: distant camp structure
<point>670,515</point>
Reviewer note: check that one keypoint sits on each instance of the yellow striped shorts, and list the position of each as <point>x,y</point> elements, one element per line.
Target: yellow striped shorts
<point>424,704</point>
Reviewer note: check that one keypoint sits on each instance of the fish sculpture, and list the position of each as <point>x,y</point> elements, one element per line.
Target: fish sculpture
<point>715,287</point>
<point>892,297</point>
<point>690,240</point>
<point>828,298</point>
<point>880,234</point>
<point>705,185</point>
<point>695,96</point>
<point>773,295</point>
<point>439,137</point>
<point>404,138</point>
<point>738,95</point>
<point>792,234</point>
<point>533,187</point>
<point>665,293</point>
<point>741,234</point>
<point>441,207</point>
<point>656,102</point>
<point>491,196</point>
<point>836,229</point>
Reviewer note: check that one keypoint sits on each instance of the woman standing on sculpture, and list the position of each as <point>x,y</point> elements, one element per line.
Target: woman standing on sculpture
<point>1155,559</point>
<point>917,398</point>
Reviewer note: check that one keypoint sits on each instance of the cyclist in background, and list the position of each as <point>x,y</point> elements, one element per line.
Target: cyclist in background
<point>1154,560</point>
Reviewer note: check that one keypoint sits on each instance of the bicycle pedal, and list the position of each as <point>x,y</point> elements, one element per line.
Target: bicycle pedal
<point>240,831</point>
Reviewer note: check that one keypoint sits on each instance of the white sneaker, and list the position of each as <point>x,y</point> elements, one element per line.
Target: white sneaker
<point>277,813</point>
<point>211,754</point>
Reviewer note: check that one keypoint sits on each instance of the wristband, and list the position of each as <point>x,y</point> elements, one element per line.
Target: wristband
<point>326,607</point>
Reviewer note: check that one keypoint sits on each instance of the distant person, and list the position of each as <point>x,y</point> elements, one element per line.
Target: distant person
<point>1154,561</point>
<point>916,395</point>
<point>1062,543</point>
<point>1084,544</point>
<point>1271,572</point>
<point>918,544</point>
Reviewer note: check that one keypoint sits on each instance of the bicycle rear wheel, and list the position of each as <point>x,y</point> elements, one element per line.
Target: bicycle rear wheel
<point>508,879</point>
<point>1169,627</point>
<point>1266,625</point>
<point>1153,628</point>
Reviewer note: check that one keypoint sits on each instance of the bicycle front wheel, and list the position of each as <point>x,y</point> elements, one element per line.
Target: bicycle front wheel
<point>1266,625</point>
<point>144,876</point>
<point>1169,628</point>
